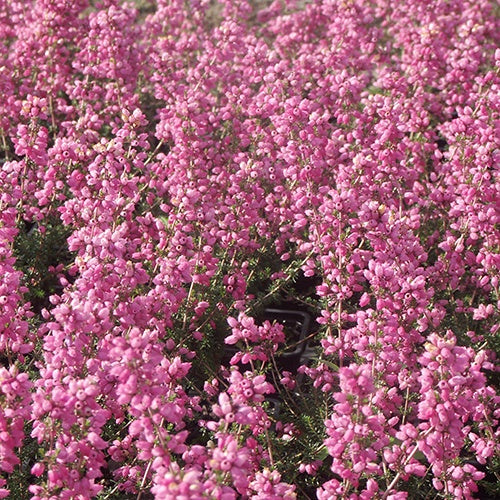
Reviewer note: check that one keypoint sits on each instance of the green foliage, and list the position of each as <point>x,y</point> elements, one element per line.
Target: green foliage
<point>36,250</point>
<point>20,478</point>
<point>489,487</point>
<point>306,408</point>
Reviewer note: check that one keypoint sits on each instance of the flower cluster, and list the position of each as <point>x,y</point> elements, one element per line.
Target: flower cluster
<point>249,249</point>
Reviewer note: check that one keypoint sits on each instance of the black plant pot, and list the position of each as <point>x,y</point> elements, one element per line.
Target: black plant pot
<point>296,326</point>
<point>274,406</point>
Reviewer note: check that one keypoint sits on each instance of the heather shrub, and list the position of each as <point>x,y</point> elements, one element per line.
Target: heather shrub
<point>249,249</point>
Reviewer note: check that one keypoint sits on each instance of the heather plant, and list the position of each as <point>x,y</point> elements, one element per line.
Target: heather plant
<point>173,172</point>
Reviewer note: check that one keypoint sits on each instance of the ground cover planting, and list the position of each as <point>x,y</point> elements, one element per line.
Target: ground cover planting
<point>249,249</point>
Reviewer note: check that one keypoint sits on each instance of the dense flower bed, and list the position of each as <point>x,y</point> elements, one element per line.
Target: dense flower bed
<point>173,172</point>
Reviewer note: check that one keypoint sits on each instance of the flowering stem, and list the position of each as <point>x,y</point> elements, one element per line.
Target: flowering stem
<point>407,461</point>
<point>143,482</point>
